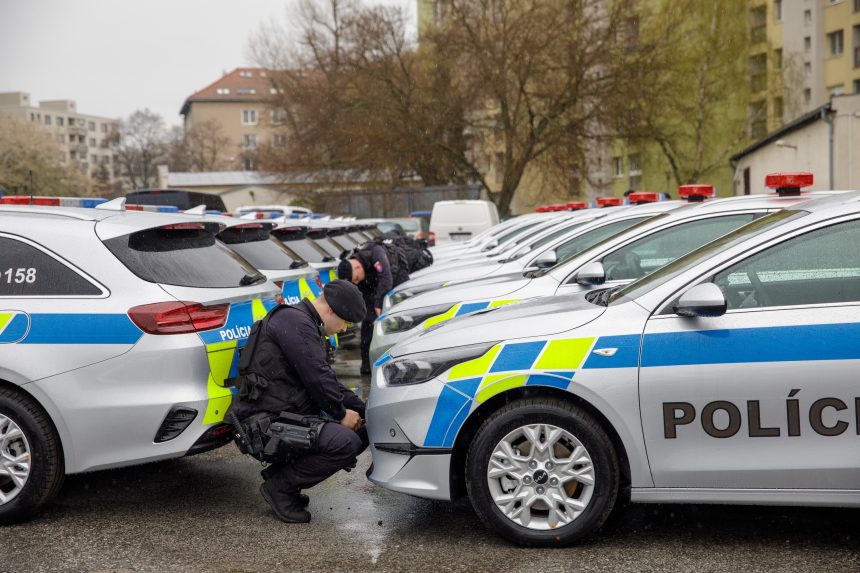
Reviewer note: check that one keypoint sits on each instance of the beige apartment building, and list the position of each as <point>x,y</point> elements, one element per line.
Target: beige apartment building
<point>802,53</point>
<point>84,140</point>
<point>238,101</point>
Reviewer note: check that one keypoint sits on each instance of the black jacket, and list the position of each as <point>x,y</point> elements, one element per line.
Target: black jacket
<point>291,355</point>
<point>377,274</point>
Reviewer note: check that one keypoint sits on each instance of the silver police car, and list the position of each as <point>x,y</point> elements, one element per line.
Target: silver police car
<point>726,376</point>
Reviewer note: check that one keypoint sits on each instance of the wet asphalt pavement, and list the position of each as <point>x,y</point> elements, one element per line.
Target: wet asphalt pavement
<point>203,513</point>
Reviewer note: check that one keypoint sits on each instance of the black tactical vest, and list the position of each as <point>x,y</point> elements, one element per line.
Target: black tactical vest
<point>266,381</point>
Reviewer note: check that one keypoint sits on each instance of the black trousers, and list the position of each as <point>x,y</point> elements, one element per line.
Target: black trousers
<point>367,333</point>
<point>338,448</point>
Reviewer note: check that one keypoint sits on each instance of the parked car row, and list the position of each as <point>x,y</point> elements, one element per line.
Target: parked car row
<point>563,363</point>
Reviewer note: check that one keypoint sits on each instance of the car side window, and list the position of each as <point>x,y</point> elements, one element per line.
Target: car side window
<point>648,254</point>
<point>819,267</point>
<point>28,271</point>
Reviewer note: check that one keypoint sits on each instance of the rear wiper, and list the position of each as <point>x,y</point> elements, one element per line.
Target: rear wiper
<point>252,279</point>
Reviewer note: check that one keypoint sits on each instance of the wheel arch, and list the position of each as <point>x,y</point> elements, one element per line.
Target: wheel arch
<point>486,409</point>
<point>5,384</point>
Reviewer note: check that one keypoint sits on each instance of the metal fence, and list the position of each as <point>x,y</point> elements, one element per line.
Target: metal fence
<point>399,202</point>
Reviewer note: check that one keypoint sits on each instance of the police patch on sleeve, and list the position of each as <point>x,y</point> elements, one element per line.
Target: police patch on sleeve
<point>378,266</point>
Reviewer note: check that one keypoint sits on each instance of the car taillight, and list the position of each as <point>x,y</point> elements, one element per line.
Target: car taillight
<point>178,317</point>
<point>432,240</point>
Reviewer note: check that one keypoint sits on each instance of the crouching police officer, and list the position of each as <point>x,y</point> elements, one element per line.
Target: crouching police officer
<point>375,274</point>
<point>285,371</point>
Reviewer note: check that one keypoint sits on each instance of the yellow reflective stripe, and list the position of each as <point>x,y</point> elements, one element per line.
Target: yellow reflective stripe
<point>499,383</point>
<point>332,274</point>
<point>258,310</point>
<point>220,355</point>
<point>4,319</point>
<point>305,291</point>
<point>496,303</point>
<point>477,367</point>
<point>441,317</point>
<point>565,354</point>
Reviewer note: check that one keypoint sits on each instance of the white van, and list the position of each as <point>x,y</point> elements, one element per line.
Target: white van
<point>461,219</point>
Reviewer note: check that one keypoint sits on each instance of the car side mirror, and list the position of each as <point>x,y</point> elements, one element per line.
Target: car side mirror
<point>591,274</point>
<point>546,260</point>
<point>704,299</point>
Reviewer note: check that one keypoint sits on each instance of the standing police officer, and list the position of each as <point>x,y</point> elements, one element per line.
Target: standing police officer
<point>371,269</point>
<point>290,357</point>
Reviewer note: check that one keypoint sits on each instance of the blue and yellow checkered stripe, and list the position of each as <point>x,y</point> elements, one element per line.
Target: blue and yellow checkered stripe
<point>503,367</point>
<point>465,308</point>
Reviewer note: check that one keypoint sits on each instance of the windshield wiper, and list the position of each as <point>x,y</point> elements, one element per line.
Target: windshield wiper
<point>252,279</point>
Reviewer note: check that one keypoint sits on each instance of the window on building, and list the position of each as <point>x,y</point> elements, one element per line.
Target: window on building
<point>634,165</point>
<point>777,9</point>
<point>60,121</point>
<point>618,167</point>
<point>104,128</point>
<point>856,44</point>
<point>857,86</point>
<point>245,74</point>
<point>778,109</point>
<point>91,126</point>
<point>836,42</point>
<point>807,44</point>
<point>223,91</point>
<point>807,69</point>
<point>279,140</point>
<point>777,58</point>
<point>807,96</point>
<point>32,116</point>
<point>92,142</point>
<point>857,5</point>
<point>249,140</point>
<point>758,119</point>
<point>246,91</point>
<point>758,24</point>
<point>249,117</point>
<point>807,17</point>
<point>758,73</point>
<point>277,116</point>
<point>61,138</point>
<point>47,119</point>
<point>836,90</point>
<point>249,164</point>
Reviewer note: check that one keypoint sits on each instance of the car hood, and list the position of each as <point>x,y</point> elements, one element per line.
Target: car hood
<point>538,317</point>
<point>480,289</point>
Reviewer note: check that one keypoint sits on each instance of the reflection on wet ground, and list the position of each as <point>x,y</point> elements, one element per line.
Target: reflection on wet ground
<point>203,513</point>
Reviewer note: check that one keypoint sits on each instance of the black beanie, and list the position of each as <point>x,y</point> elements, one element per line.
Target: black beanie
<point>345,300</point>
<point>344,270</point>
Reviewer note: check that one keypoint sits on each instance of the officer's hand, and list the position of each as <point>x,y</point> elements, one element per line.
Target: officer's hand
<point>351,420</point>
<point>378,311</point>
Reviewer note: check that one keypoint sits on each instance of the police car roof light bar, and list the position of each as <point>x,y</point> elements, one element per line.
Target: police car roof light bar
<point>85,202</point>
<point>576,205</point>
<point>695,192</point>
<point>542,209</point>
<point>609,201</point>
<point>642,197</point>
<point>788,184</point>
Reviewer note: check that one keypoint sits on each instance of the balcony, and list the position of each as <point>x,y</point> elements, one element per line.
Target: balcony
<point>758,34</point>
<point>758,82</point>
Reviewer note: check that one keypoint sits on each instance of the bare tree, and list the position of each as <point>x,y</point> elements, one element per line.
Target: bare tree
<point>140,146</point>
<point>202,147</point>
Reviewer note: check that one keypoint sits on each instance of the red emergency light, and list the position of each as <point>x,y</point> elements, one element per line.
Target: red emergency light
<point>788,184</point>
<point>576,205</point>
<point>542,209</point>
<point>558,207</point>
<point>133,207</point>
<point>643,197</point>
<point>27,200</point>
<point>609,201</point>
<point>696,192</point>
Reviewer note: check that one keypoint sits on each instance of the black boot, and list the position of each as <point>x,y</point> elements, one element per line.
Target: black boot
<point>288,507</point>
<point>268,471</point>
<point>365,368</point>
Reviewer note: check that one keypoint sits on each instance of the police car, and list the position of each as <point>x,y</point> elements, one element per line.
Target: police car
<point>295,238</point>
<point>526,254</point>
<point>117,331</point>
<point>603,253</point>
<point>727,376</point>
<point>489,237</point>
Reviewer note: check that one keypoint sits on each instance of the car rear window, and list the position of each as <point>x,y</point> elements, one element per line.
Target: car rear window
<point>260,249</point>
<point>182,255</point>
<point>303,246</point>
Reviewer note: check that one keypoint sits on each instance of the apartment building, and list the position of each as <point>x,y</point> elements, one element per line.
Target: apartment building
<point>238,102</point>
<point>802,52</point>
<point>84,139</point>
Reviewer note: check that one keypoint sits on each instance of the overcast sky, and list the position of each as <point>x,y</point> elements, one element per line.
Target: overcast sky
<point>116,56</point>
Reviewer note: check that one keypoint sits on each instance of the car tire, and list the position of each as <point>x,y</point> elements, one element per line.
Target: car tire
<point>25,429</point>
<point>565,509</point>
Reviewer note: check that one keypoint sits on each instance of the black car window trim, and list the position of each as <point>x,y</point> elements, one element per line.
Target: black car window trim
<point>105,292</point>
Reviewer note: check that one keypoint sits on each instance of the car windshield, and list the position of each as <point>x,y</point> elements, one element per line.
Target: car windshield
<point>662,275</point>
<point>589,239</point>
<point>548,238</point>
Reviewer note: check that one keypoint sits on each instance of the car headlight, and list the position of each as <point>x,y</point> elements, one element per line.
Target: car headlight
<point>423,366</point>
<point>407,320</point>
